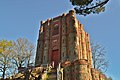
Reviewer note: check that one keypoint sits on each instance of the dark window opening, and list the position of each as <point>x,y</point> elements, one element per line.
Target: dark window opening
<point>55,30</point>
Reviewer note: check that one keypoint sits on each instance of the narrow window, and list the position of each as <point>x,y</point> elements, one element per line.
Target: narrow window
<point>55,30</point>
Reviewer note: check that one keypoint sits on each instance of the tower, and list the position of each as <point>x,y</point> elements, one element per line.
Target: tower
<point>63,40</point>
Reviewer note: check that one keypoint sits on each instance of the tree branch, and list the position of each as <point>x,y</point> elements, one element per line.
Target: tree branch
<point>82,11</point>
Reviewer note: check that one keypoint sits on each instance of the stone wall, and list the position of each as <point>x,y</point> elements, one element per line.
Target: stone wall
<point>63,40</point>
<point>97,75</point>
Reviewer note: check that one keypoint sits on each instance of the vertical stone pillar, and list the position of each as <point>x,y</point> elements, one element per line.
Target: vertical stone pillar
<point>72,36</point>
<point>80,41</point>
<point>39,52</point>
<point>84,54</point>
<point>64,38</point>
<point>46,42</point>
<point>89,52</point>
<point>50,41</point>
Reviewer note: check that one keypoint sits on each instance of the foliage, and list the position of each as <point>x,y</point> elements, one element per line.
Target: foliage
<point>86,7</point>
<point>98,56</point>
<point>5,57</point>
<point>15,54</point>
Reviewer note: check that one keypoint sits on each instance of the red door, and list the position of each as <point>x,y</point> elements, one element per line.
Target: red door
<point>55,57</point>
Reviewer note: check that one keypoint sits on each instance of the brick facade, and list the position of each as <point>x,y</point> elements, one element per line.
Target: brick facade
<point>63,40</point>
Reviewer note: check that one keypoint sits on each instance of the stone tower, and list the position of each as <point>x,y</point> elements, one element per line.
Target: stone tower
<point>63,40</point>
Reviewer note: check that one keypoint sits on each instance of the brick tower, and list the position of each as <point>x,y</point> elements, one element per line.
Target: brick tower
<point>63,40</point>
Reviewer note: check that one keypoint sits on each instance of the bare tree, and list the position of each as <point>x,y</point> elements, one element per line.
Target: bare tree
<point>5,57</point>
<point>98,56</point>
<point>23,53</point>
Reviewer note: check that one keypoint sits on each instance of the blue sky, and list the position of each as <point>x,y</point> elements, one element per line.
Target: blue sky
<point>21,18</point>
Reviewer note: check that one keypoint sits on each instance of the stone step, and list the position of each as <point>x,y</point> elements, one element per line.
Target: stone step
<point>52,79</point>
<point>53,70</point>
<point>52,75</point>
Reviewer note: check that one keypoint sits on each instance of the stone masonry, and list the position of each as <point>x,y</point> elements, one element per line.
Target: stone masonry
<point>63,40</point>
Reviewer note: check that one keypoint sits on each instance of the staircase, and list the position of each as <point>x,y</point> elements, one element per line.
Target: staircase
<point>52,75</point>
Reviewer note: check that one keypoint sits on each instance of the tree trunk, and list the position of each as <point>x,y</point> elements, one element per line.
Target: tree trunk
<point>27,74</point>
<point>3,75</point>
